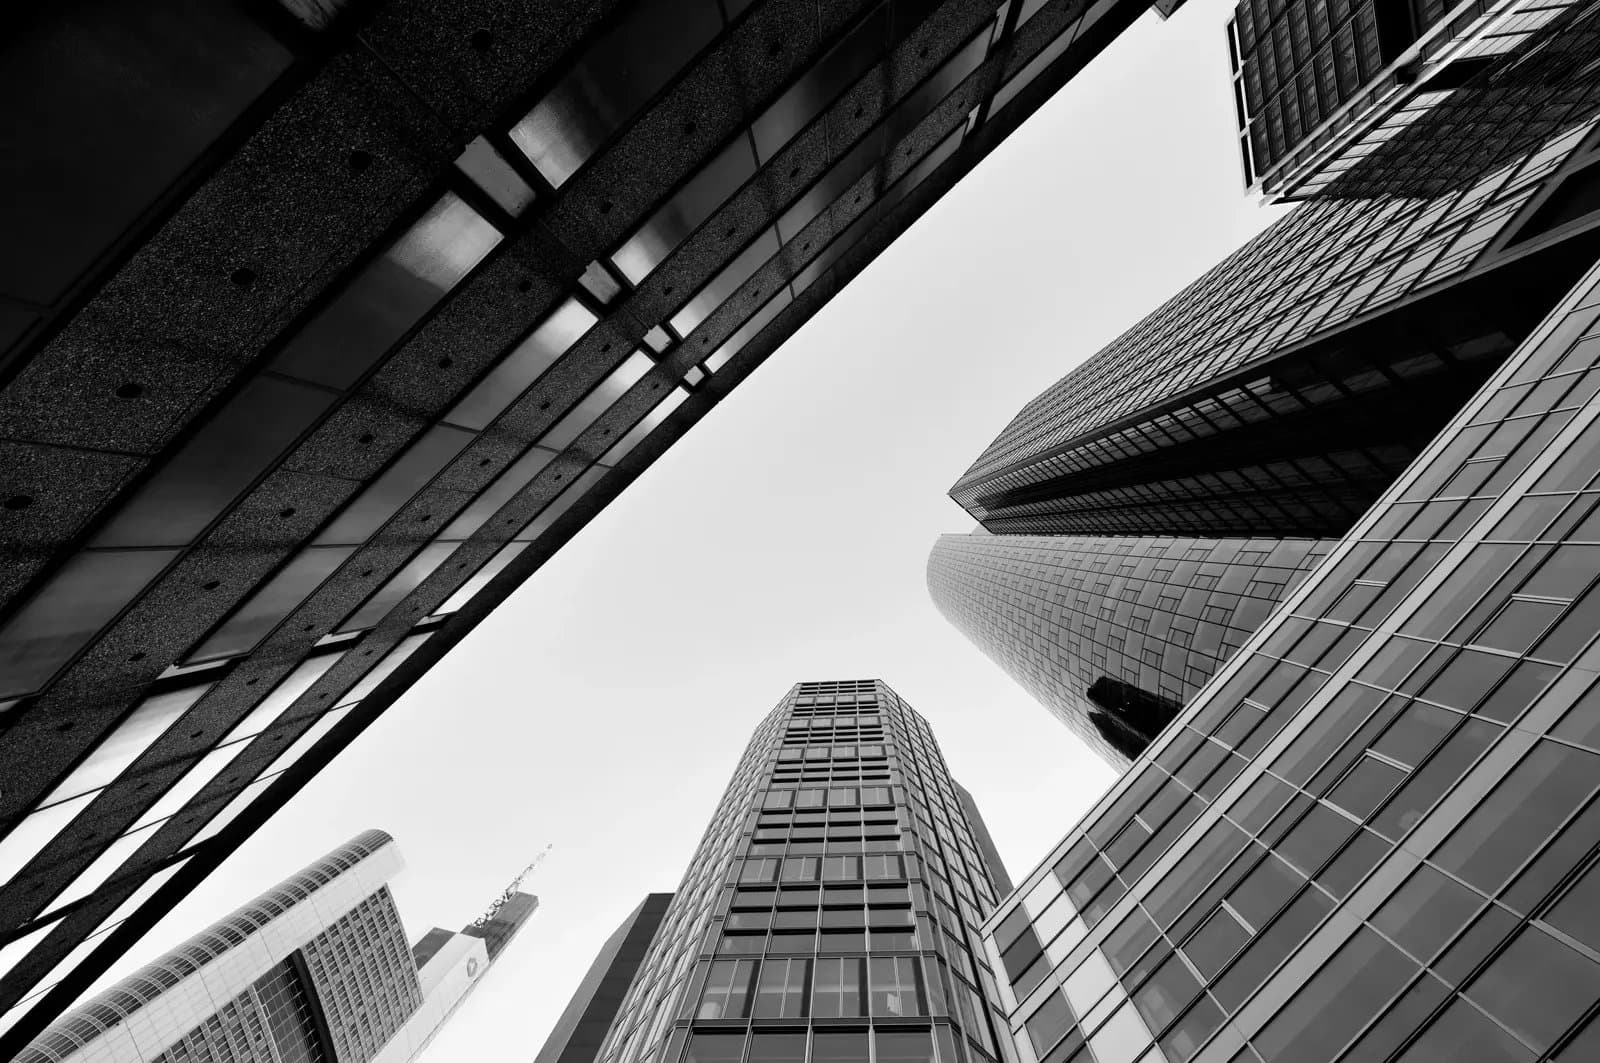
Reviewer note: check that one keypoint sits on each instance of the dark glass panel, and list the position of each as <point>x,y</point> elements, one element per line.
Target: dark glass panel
<point>408,474</point>
<point>596,402</point>
<point>748,331</point>
<point>717,290</point>
<point>1365,786</point>
<point>1402,1019</point>
<point>1215,943</point>
<point>1462,1035</point>
<point>1415,733</point>
<point>1519,815</point>
<point>1189,1032</point>
<point>1167,992</point>
<point>390,295</point>
<point>1537,987</point>
<point>839,1046</point>
<point>61,618</point>
<point>1441,771</point>
<point>562,502</point>
<point>1341,998</point>
<point>240,443</point>
<point>480,579</point>
<point>1049,1022</point>
<point>272,601</point>
<point>715,1046</point>
<point>902,1046</point>
<point>1129,940</point>
<point>1270,947</point>
<point>819,85</point>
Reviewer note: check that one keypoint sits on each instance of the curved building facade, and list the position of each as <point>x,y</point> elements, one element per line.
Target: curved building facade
<point>1113,635</point>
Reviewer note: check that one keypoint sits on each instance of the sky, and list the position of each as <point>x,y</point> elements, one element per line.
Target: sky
<point>604,706</point>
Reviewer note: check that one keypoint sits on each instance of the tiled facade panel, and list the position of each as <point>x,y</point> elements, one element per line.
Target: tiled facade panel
<point>422,292</point>
<point>831,910</point>
<point>1061,615</point>
<point>1211,363</point>
<point>1373,836</point>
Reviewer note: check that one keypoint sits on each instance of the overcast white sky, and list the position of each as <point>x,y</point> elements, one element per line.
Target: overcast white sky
<point>603,707</point>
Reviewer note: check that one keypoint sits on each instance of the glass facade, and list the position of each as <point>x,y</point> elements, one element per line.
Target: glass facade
<point>323,386</point>
<point>1371,836</point>
<point>1113,636</point>
<point>830,911</point>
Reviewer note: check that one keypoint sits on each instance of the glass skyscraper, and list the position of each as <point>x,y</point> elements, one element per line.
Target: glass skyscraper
<point>1372,836</point>
<point>316,970</point>
<point>323,325</point>
<point>831,909</point>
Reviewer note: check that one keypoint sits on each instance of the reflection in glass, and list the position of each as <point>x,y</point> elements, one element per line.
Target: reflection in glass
<point>719,288</point>
<point>272,601</point>
<point>308,738</point>
<point>385,496</point>
<point>402,583</point>
<point>480,579</point>
<point>549,341</point>
<point>90,589</point>
<point>483,164</point>
<point>236,804</point>
<point>227,455</point>
<point>591,406</point>
<point>190,783</point>
<point>394,659</point>
<point>505,486</point>
<point>389,296</point>
<point>126,741</point>
<point>680,215</point>
<point>622,70</point>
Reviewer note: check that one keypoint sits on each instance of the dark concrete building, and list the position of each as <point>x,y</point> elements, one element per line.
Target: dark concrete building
<point>582,1027</point>
<point>1113,635</point>
<point>831,907</point>
<point>1373,836</point>
<point>324,324</point>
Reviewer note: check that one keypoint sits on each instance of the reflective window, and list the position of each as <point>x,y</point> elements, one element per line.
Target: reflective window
<point>725,283</point>
<point>190,783</point>
<point>839,1046</point>
<point>821,84</point>
<point>396,486</point>
<point>1121,1038</point>
<point>902,1046</point>
<point>308,738</point>
<point>1342,997</point>
<point>1049,1023</point>
<point>272,601</point>
<point>840,988</point>
<point>102,867</point>
<point>592,405</point>
<point>60,619</point>
<point>484,166</point>
<point>392,660</point>
<point>236,804</point>
<point>282,696</point>
<point>896,986</point>
<point>715,1046</point>
<point>770,1046</point>
<point>227,455</point>
<point>562,502</point>
<point>1537,987</point>
<point>389,296</point>
<point>509,379</point>
<point>616,76</point>
<point>749,330</point>
<point>784,990</point>
<point>727,990</point>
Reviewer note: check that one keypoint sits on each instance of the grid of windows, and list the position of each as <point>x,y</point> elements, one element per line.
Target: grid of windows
<point>834,920</point>
<point>1323,309</point>
<point>402,410</point>
<point>1113,635</point>
<point>364,977</point>
<point>1372,836</point>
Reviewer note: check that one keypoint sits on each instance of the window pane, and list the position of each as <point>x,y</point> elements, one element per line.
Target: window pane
<point>839,1047</point>
<point>1338,1000</point>
<point>1049,1023</point>
<point>282,696</point>
<point>840,988</point>
<point>1578,911</point>
<point>683,213</point>
<point>784,989</point>
<point>708,1046</point>
<point>310,737</point>
<point>727,990</point>
<point>1216,942</point>
<point>13,952</point>
<point>516,476</point>
<point>1121,1038</point>
<point>272,601</point>
<point>389,296</point>
<point>102,868</point>
<point>1462,1035</point>
<point>481,578</point>
<point>392,660</point>
<point>227,455</point>
<point>25,840</point>
<point>546,343</point>
<point>724,284</point>
<point>1426,911</point>
<point>409,473</point>
<point>748,331</point>
<point>1086,985</point>
<point>896,987</point>
<point>562,502</point>
<point>1167,993</point>
<point>770,1047</point>
<point>1365,787</point>
<point>1543,789</point>
<point>635,435</point>
<point>903,1046</point>
<point>91,588</point>
<point>190,783</point>
<point>1537,987</point>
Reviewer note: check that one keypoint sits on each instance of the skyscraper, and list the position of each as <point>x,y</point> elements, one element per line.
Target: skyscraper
<point>1373,835</point>
<point>1113,635</point>
<point>1321,87</point>
<point>582,1027</point>
<point>376,306</point>
<point>831,904</point>
<point>315,969</point>
<point>1278,396</point>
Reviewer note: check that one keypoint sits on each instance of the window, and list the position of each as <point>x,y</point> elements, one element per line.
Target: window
<point>783,989</point>
<point>897,986</point>
<point>727,991</point>
<point>767,1046</point>
<point>715,1046</point>
<point>1339,999</point>
<point>546,343</point>
<point>839,988</point>
<point>839,1046</point>
<point>1537,987</point>
<point>1049,1023</point>
<point>903,1046</point>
